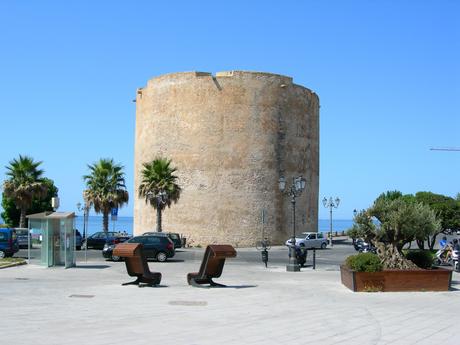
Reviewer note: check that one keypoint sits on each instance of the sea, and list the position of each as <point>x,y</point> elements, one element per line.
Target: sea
<point>126,224</point>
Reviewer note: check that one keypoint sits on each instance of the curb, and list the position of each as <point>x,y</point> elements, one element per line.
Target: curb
<point>13,264</point>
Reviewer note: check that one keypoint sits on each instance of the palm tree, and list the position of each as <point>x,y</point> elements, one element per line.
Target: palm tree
<point>25,183</point>
<point>105,188</point>
<point>158,186</point>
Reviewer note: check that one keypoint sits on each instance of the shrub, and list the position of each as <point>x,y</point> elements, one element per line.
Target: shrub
<point>422,258</point>
<point>364,262</point>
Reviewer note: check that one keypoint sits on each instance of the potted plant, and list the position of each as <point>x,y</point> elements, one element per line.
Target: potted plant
<point>389,224</point>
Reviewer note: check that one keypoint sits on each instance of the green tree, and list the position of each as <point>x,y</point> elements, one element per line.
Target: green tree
<point>447,210</point>
<point>24,183</point>
<point>159,186</point>
<point>363,227</point>
<point>391,222</point>
<point>11,214</point>
<point>105,188</point>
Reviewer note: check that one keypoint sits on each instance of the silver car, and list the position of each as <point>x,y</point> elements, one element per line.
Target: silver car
<point>310,240</point>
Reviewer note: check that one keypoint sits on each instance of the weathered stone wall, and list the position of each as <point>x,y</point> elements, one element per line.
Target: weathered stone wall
<point>231,136</point>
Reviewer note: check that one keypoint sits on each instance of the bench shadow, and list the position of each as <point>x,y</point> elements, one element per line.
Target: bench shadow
<point>237,286</point>
<point>93,267</point>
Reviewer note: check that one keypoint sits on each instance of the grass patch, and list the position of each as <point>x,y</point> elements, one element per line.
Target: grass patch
<point>6,262</point>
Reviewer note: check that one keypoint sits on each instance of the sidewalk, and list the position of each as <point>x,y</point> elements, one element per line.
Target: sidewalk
<point>88,305</point>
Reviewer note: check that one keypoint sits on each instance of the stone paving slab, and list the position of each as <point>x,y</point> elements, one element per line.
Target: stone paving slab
<point>88,305</point>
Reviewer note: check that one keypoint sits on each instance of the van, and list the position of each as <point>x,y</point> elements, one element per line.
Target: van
<point>8,242</point>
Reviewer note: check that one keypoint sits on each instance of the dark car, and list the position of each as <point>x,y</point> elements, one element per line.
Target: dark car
<point>24,237</point>
<point>358,244</point>
<point>172,235</point>
<point>158,247</point>
<point>363,246</point>
<point>99,239</point>
<point>8,242</point>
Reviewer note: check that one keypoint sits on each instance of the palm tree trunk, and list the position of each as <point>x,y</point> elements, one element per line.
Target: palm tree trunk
<point>159,219</point>
<point>105,221</point>
<point>22,218</point>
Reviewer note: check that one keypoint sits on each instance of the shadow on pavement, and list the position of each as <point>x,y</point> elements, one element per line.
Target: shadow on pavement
<point>344,241</point>
<point>96,267</point>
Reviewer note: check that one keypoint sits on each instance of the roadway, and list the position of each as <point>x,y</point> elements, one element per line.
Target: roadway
<point>328,259</point>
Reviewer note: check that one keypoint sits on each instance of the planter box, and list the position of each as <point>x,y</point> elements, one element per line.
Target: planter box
<point>437,279</point>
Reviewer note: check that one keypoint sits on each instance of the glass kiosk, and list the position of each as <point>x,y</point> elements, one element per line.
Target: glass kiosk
<point>57,237</point>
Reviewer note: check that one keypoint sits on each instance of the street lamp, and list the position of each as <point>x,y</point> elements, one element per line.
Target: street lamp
<point>331,204</point>
<point>296,188</point>
<point>161,198</point>
<point>85,209</point>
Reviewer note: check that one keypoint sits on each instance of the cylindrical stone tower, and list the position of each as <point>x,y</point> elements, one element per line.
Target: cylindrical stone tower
<point>231,136</point>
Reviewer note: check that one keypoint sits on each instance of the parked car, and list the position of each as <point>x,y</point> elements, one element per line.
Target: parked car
<point>358,244</point>
<point>78,240</point>
<point>23,236</point>
<point>158,247</point>
<point>310,240</point>
<point>8,242</point>
<point>99,239</point>
<point>175,237</point>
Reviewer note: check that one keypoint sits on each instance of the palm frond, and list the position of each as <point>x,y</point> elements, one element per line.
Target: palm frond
<point>105,186</point>
<point>157,176</point>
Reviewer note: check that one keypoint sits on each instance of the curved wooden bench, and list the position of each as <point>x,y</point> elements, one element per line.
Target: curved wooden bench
<point>212,265</point>
<point>136,264</point>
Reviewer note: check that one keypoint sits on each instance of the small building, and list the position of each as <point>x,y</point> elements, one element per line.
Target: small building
<point>57,237</point>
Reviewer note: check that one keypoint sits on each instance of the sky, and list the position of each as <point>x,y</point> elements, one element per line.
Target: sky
<point>387,74</point>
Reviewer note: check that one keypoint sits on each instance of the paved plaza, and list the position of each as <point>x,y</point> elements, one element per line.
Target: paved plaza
<point>88,305</point>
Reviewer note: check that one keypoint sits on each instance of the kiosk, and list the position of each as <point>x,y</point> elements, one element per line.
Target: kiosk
<point>57,232</point>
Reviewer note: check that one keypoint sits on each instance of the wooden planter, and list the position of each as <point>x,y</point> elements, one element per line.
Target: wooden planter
<point>437,279</point>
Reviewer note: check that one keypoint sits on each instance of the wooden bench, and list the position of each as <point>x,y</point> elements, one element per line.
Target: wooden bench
<point>136,264</point>
<point>212,265</point>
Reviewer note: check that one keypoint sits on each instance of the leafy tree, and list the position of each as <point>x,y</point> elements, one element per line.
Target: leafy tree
<point>24,183</point>
<point>447,210</point>
<point>363,227</point>
<point>11,214</point>
<point>391,222</point>
<point>159,186</point>
<point>105,188</point>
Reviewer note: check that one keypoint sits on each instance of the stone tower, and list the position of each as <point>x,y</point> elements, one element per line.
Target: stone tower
<point>231,136</point>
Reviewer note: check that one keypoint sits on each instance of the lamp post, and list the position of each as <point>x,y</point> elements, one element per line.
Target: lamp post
<point>296,188</point>
<point>161,198</point>
<point>331,204</point>
<point>85,210</point>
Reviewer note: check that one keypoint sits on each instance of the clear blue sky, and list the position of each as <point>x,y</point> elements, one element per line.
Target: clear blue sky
<point>387,74</point>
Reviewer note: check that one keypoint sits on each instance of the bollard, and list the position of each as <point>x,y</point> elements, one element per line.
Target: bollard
<point>265,256</point>
<point>314,258</point>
